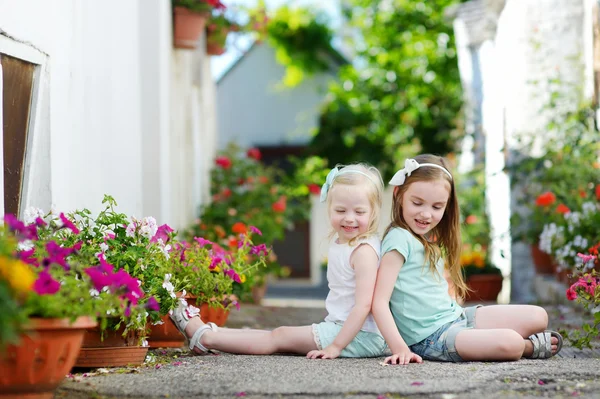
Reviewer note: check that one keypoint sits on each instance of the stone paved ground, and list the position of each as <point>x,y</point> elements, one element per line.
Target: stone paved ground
<point>176,374</point>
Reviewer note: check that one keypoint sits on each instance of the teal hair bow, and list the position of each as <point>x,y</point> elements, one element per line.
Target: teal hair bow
<point>328,182</point>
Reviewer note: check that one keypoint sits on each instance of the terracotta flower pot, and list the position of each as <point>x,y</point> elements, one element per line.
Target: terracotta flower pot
<point>542,262</point>
<point>110,349</point>
<point>484,287</point>
<point>208,313</point>
<point>36,366</point>
<point>165,335</point>
<point>187,27</point>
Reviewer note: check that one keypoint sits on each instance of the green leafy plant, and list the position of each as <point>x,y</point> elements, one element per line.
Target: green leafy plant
<point>41,276</point>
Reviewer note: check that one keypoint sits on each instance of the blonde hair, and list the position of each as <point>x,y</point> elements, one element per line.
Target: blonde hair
<point>369,177</point>
<point>445,238</point>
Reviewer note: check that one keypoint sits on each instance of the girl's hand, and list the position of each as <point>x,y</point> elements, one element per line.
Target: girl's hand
<point>404,357</point>
<point>330,352</point>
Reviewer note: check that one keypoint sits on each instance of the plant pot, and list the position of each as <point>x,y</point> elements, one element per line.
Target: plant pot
<point>110,349</point>
<point>542,261</point>
<point>37,365</point>
<point>208,313</point>
<point>187,27</point>
<point>484,287</point>
<point>258,293</point>
<point>214,49</point>
<point>165,335</point>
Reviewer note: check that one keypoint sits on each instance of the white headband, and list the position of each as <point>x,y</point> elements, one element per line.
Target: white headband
<point>410,165</point>
<point>335,172</point>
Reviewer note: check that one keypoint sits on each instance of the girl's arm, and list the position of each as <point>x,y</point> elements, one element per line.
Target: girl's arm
<point>364,261</point>
<point>391,263</point>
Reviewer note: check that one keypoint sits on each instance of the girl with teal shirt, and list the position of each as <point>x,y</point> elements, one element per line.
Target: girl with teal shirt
<point>412,306</point>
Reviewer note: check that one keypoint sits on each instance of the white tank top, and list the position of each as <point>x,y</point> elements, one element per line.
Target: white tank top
<point>342,282</point>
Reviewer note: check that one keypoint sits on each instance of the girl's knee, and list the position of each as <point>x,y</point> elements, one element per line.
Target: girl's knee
<point>539,317</point>
<point>512,345</point>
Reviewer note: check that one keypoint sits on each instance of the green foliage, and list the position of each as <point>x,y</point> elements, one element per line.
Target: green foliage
<point>566,166</point>
<point>302,41</point>
<point>403,95</point>
<point>471,198</point>
<point>201,6</point>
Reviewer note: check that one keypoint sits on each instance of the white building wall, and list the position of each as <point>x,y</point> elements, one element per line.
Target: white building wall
<point>104,111</point>
<point>253,108</point>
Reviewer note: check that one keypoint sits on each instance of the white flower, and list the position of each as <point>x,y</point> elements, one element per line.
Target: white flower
<point>167,285</point>
<point>25,245</point>
<point>94,292</point>
<point>130,231</point>
<point>104,247</point>
<point>148,227</point>
<point>31,214</point>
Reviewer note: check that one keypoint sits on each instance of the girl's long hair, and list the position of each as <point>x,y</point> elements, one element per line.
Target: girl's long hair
<point>444,240</point>
<point>373,187</point>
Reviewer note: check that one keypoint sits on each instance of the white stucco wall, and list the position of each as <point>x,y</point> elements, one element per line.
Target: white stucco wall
<point>109,85</point>
<point>254,110</point>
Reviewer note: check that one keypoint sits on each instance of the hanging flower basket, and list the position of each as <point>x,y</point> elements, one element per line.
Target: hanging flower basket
<point>187,27</point>
<point>35,367</point>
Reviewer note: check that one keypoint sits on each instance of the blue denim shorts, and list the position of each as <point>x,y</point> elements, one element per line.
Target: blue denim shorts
<point>441,345</point>
<point>365,344</point>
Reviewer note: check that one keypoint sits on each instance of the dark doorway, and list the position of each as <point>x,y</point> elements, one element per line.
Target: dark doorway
<point>294,250</point>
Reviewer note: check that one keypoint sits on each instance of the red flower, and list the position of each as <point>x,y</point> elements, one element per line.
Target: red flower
<point>471,219</point>
<point>571,294</point>
<point>598,192</point>
<point>582,194</point>
<point>545,199</point>
<point>562,208</point>
<point>254,153</point>
<point>216,4</point>
<point>223,162</point>
<point>279,205</point>
<point>226,193</point>
<point>239,228</point>
<point>263,179</point>
<point>314,189</point>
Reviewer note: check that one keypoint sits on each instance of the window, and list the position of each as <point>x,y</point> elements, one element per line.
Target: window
<point>17,85</point>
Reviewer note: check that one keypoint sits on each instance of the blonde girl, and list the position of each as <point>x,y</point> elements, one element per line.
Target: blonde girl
<point>414,312</point>
<point>353,195</point>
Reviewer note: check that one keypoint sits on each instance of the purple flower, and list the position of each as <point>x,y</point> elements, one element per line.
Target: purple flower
<point>201,241</point>
<point>22,231</point>
<point>255,230</point>
<point>40,222</point>
<point>162,234</point>
<point>57,254</point>
<point>98,277</point>
<point>233,275</point>
<point>152,304</point>
<point>216,260</point>
<point>46,284</point>
<point>28,257</point>
<point>68,224</point>
<point>259,249</point>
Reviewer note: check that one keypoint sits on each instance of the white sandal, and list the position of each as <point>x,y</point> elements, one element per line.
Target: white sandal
<point>542,344</point>
<point>181,316</point>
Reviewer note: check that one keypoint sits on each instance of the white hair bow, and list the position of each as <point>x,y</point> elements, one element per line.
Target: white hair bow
<point>328,182</point>
<point>410,165</point>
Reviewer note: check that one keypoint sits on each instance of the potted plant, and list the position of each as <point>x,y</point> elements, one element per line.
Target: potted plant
<point>208,271</point>
<point>217,29</point>
<point>246,192</point>
<point>483,279</point>
<point>48,301</point>
<point>189,20</point>
<point>123,244</point>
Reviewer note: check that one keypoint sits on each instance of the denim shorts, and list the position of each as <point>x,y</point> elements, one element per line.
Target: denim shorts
<point>365,344</point>
<point>441,345</point>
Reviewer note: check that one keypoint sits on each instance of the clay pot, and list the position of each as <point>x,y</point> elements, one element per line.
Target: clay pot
<point>109,348</point>
<point>484,287</point>
<point>165,335</point>
<point>35,367</point>
<point>542,261</point>
<point>187,27</point>
<point>208,313</point>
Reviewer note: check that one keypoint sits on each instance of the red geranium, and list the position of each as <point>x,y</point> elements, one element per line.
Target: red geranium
<point>314,189</point>
<point>254,153</point>
<point>545,199</point>
<point>562,208</point>
<point>223,162</point>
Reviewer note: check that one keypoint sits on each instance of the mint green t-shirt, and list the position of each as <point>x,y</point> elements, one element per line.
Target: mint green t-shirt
<point>420,302</point>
